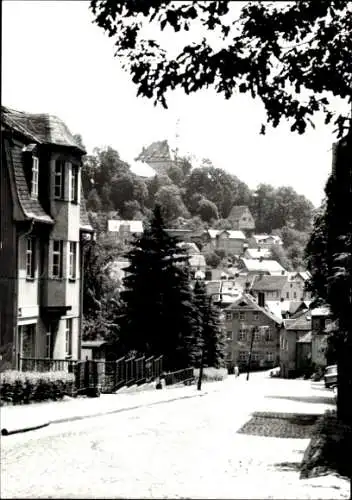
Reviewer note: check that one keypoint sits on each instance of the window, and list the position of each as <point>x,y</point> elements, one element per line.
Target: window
<point>268,334</point>
<point>255,316</point>
<point>255,356</point>
<point>295,295</point>
<point>68,338</point>
<point>243,356</point>
<point>74,184</point>
<point>30,258</point>
<point>48,343</point>
<point>59,180</point>
<point>73,260</point>
<point>270,356</point>
<point>287,295</point>
<point>242,334</point>
<point>35,177</point>
<point>256,335</point>
<point>57,258</point>
<point>228,315</point>
<point>242,316</point>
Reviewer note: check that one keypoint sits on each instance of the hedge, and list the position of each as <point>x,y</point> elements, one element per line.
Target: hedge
<point>25,387</point>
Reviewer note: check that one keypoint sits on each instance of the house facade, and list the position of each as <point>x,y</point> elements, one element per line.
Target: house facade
<point>295,345</point>
<point>321,318</point>
<point>242,219</point>
<point>267,240</point>
<point>246,320</point>
<point>294,288</point>
<point>43,225</point>
<point>124,230</point>
<point>224,239</point>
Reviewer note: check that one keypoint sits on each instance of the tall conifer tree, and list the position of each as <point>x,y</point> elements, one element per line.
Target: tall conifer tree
<point>158,310</point>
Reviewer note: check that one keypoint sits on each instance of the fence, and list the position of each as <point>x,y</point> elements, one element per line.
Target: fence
<point>105,376</point>
<point>186,376</point>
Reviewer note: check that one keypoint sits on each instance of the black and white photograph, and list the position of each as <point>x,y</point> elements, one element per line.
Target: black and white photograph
<point>176,249</point>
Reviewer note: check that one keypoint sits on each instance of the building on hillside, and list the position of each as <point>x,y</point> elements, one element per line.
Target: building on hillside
<point>270,286</point>
<point>294,288</point>
<point>321,318</point>
<point>288,309</point>
<point>296,346</point>
<point>43,224</point>
<point>257,253</point>
<point>257,266</point>
<point>244,318</point>
<point>242,219</point>
<point>196,259</point>
<point>124,230</point>
<point>224,239</point>
<point>158,156</point>
<point>267,240</point>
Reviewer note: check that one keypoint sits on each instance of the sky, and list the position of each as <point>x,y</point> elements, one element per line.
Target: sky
<point>55,60</point>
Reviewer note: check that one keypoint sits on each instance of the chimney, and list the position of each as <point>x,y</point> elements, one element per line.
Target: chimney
<point>260,259</point>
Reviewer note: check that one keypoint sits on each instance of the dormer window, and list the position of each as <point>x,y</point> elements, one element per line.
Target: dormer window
<point>35,177</point>
<point>59,180</point>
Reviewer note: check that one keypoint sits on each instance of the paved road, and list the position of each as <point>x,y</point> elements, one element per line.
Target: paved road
<point>184,449</point>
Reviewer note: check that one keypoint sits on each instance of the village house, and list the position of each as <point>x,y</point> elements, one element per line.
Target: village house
<point>158,156</point>
<point>224,239</point>
<point>258,266</point>
<point>257,253</point>
<point>270,286</point>
<point>246,319</point>
<point>242,219</point>
<point>294,288</point>
<point>296,345</point>
<point>43,225</point>
<point>321,318</point>
<point>267,240</point>
<point>195,259</point>
<point>124,231</point>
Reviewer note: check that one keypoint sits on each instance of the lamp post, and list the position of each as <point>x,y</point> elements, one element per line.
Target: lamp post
<point>254,330</point>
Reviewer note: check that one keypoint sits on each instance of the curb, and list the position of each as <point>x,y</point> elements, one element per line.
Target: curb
<point>6,432</point>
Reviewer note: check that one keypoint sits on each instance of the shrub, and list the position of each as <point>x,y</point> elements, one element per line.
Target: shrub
<point>328,449</point>
<point>212,374</point>
<point>25,387</point>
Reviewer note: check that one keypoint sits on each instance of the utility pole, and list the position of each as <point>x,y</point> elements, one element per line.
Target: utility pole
<point>254,329</point>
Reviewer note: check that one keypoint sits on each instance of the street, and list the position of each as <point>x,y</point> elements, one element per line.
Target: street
<point>182,449</point>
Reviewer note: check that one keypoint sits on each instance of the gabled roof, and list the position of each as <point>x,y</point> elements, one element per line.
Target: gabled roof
<point>235,235</point>
<point>303,322</point>
<point>321,311</point>
<point>253,304</point>
<point>292,275</point>
<point>256,253</point>
<point>261,238</point>
<point>40,128</point>
<point>305,339</point>
<point>266,265</point>
<point>269,283</point>
<point>157,151</point>
<point>134,226</point>
<point>237,211</point>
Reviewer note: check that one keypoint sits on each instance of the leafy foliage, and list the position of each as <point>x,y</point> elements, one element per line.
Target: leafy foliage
<point>293,57</point>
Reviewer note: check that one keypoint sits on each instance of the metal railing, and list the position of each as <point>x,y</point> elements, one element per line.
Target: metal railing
<point>107,376</point>
<point>180,376</point>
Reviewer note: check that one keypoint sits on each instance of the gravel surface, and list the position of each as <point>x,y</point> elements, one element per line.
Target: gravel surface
<point>184,449</point>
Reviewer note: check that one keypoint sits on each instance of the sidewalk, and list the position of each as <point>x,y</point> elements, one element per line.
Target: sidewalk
<point>24,418</point>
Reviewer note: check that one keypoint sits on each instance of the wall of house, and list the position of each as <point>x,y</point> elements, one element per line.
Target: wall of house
<point>7,269</point>
<point>260,347</point>
<point>319,345</point>
<point>294,290</point>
